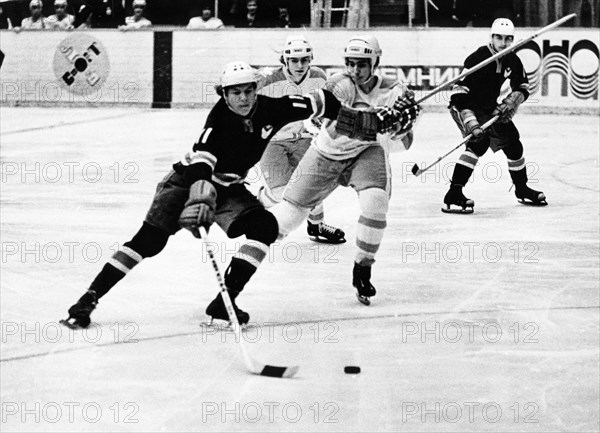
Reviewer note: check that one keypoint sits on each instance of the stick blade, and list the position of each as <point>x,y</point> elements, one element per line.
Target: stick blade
<point>274,371</point>
<point>415,170</point>
<point>260,369</point>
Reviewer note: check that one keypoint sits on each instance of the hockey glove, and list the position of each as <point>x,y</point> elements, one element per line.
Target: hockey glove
<point>387,119</point>
<point>471,124</point>
<point>359,124</point>
<point>509,106</point>
<point>407,112</point>
<point>200,207</point>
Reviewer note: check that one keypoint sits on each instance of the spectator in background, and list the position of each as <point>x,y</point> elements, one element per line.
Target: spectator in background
<point>5,21</point>
<point>283,17</point>
<point>463,13</point>
<point>206,21</point>
<point>102,14</point>
<point>61,20</point>
<point>83,20</point>
<point>36,21</point>
<point>137,20</point>
<point>253,16</point>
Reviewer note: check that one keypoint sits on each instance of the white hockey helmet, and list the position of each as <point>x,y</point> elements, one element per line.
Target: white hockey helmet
<point>296,46</point>
<point>238,72</point>
<point>139,3</point>
<point>363,47</point>
<point>502,26</point>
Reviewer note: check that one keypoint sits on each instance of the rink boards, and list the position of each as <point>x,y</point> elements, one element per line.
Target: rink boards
<point>174,67</point>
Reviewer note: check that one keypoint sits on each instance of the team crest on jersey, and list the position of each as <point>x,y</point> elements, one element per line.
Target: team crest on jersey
<point>266,131</point>
<point>507,72</point>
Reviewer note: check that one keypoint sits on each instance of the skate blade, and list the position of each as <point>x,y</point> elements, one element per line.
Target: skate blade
<point>528,202</point>
<point>322,240</point>
<point>365,300</point>
<point>465,210</point>
<point>70,324</point>
<point>221,325</point>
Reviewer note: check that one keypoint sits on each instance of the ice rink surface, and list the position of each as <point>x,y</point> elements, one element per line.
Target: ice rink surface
<point>487,322</point>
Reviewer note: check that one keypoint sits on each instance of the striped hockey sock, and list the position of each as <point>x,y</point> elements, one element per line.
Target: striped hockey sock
<point>369,236</point>
<point>119,265</point>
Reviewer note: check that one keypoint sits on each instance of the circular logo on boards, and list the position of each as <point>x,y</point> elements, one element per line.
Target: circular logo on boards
<point>81,63</point>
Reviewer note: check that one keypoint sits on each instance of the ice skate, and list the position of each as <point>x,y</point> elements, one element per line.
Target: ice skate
<point>216,310</point>
<point>325,233</point>
<point>361,280</point>
<point>79,313</point>
<point>455,197</point>
<point>530,197</point>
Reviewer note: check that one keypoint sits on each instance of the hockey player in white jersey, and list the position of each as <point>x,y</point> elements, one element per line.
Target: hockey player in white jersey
<point>296,76</point>
<point>334,160</point>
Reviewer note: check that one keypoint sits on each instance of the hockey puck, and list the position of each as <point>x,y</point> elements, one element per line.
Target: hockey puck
<point>351,369</point>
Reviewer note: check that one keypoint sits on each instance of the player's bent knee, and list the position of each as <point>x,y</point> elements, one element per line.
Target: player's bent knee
<point>514,151</point>
<point>374,201</point>
<point>479,148</point>
<point>260,225</point>
<point>289,217</point>
<point>148,241</point>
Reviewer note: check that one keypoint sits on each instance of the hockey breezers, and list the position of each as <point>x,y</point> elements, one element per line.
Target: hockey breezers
<point>252,365</point>
<point>418,171</point>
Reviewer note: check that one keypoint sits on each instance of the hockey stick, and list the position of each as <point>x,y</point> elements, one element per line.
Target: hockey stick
<point>252,365</point>
<point>418,171</point>
<point>496,56</point>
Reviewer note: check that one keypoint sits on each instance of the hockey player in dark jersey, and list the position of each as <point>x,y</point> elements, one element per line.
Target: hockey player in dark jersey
<point>207,186</point>
<point>474,102</point>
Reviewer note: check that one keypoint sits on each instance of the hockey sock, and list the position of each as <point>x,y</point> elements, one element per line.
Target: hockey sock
<point>518,171</point>
<point>238,274</point>
<point>252,252</point>
<point>371,224</point>
<point>117,267</point>
<point>464,168</point>
<point>147,242</point>
<point>317,214</point>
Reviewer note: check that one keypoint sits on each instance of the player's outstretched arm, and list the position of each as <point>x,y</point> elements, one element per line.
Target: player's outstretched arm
<point>353,123</point>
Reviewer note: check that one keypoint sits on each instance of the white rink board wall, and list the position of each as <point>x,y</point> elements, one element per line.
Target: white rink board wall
<point>562,65</point>
<point>76,68</point>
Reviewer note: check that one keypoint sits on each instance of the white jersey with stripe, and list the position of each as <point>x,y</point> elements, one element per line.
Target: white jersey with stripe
<point>336,146</point>
<point>277,82</point>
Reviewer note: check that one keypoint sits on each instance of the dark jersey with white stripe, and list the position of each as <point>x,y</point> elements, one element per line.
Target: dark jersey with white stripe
<point>230,145</point>
<point>480,90</point>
